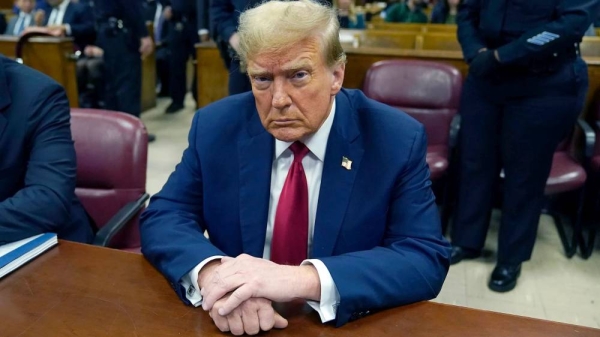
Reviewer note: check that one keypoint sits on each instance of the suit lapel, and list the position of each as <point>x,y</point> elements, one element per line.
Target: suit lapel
<point>256,160</point>
<point>5,100</point>
<point>337,181</point>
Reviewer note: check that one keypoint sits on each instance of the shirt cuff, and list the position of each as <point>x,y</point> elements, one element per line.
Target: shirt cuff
<point>67,29</point>
<point>190,282</point>
<point>203,31</point>
<point>330,297</point>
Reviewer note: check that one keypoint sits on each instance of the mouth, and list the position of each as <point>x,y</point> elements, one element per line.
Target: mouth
<point>283,122</point>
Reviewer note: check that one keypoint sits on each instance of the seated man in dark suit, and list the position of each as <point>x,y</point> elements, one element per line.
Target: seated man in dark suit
<point>37,159</point>
<point>307,190</point>
<point>69,18</point>
<point>23,19</point>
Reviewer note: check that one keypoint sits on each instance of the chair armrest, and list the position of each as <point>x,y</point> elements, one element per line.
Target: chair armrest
<point>454,130</point>
<point>590,138</point>
<point>112,227</point>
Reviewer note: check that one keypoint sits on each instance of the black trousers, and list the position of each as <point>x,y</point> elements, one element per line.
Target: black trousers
<point>238,81</point>
<point>512,121</point>
<point>90,81</point>
<point>182,40</point>
<point>123,67</point>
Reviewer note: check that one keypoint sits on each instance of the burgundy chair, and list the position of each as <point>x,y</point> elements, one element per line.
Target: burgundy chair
<point>568,174</point>
<point>430,93</point>
<point>112,151</point>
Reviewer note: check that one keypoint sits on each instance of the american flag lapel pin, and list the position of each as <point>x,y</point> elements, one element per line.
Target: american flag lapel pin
<point>346,163</point>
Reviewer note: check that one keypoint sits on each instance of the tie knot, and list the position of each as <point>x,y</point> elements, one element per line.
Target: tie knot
<point>299,150</point>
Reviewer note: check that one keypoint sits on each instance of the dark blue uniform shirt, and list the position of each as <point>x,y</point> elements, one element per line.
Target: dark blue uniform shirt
<point>524,30</point>
<point>130,11</point>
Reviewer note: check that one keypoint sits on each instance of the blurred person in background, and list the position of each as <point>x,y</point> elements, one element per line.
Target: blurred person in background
<point>445,11</point>
<point>410,11</point>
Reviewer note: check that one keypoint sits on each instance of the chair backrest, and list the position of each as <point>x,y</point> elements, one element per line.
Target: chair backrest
<point>428,91</point>
<point>112,156</point>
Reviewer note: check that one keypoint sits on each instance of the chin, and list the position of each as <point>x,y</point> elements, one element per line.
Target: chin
<point>286,135</point>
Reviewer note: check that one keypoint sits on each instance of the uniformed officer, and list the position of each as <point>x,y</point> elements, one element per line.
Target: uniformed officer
<point>123,35</point>
<point>525,89</point>
<point>224,16</point>
<point>183,35</point>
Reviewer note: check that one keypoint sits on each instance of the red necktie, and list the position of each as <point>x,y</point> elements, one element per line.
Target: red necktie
<point>290,234</point>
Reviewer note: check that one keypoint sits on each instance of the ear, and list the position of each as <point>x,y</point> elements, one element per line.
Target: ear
<point>338,78</point>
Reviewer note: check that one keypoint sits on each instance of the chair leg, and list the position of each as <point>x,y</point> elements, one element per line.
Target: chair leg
<point>587,248</point>
<point>569,248</point>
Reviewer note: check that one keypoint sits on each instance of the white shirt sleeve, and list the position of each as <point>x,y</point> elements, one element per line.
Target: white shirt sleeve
<point>190,282</point>
<point>67,29</point>
<point>330,297</point>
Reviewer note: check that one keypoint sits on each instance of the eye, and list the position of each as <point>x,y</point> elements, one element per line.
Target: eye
<point>300,75</point>
<point>261,79</point>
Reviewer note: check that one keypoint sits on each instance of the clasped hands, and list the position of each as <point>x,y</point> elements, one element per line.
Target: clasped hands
<point>238,292</point>
<point>485,63</point>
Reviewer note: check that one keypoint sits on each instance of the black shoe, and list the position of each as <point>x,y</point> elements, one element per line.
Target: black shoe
<point>460,253</point>
<point>173,108</point>
<point>151,138</point>
<point>504,277</point>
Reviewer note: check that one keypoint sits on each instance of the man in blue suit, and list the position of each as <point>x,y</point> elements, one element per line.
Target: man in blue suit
<point>306,190</point>
<point>68,18</point>
<point>37,159</point>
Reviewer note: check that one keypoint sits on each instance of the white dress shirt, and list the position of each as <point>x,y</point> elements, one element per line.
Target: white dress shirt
<point>57,15</point>
<point>23,20</point>
<point>313,168</point>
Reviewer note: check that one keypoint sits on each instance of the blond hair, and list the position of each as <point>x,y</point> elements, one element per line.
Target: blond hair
<point>275,26</point>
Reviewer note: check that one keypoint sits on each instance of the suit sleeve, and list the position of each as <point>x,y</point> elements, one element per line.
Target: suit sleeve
<point>413,259</point>
<point>82,26</point>
<point>172,228</point>
<point>469,37</point>
<point>44,203</point>
<point>132,12</point>
<point>573,19</point>
<point>223,19</point>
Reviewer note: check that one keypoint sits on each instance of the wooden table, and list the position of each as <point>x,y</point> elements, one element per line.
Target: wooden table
<point>81,290</point>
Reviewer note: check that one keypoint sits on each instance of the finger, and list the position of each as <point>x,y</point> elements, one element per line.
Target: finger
<point>236,326</point>
<point>217,287</point>
<point>220,321</point>
<point>266,317</point>
<point>250,320</point>
<point>239,296</point>
<point>280,322</point>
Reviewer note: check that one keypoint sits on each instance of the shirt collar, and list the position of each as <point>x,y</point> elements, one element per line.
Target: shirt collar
<point>316,142</point>
<point>24,15</point>
<point>63,5</point>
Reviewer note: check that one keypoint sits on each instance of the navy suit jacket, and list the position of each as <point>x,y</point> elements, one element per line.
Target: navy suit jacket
<point>37,159</point>
<point>377,227</point>
<point>81,19</point>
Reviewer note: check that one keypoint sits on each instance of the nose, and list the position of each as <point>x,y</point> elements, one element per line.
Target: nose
<point>281,99</point>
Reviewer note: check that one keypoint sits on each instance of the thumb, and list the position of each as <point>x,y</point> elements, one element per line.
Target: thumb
<point>280,322</point>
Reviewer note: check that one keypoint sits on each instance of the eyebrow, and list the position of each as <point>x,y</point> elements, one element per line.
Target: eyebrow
<point>300,65</point>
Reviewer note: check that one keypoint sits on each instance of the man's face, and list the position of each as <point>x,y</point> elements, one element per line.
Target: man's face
<point>453,2</point>
<point>294,89</point>
<point>25,6</point>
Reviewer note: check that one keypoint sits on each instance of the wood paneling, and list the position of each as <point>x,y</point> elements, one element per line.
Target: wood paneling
<point>149,77</point>
<point>212,75</point>
<point>211,69</point>
<point>52,56</point>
